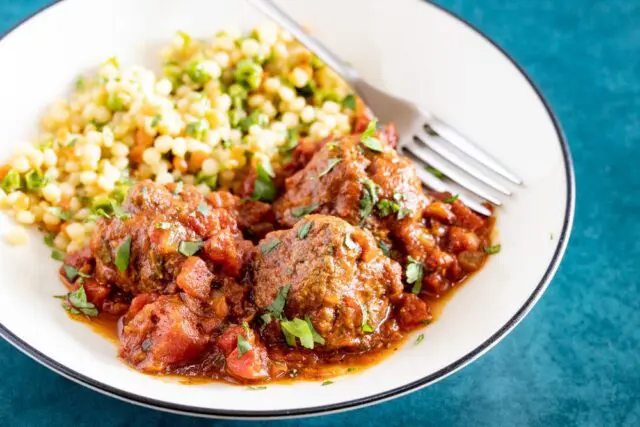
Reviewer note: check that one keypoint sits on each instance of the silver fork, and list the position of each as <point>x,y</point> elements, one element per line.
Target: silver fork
<point>451,158</point>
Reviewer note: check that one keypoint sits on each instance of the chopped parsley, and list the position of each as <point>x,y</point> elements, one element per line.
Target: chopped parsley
<point>327,382</point>
<point>419,339</point>
<point>452,198</point>
<point>276,307</point>
<point>122,255</point>
<point>330,165</point>
<point>256,387</point>
<point>387,207</point>
<point>75,302</point>
<point>243,346</point>
<point>189,248</point>
<point>351,369</point>
<point>369,198</point>
<point>316,336</point>
<point>414,271</point>
<point>264,189</point>
<point>491,250</point>
<point>368,139</point>
<point>302,330</point>
<point>269,246</point>
<point>304,229</point>
<point>384,247</point>
<point>304,210</point>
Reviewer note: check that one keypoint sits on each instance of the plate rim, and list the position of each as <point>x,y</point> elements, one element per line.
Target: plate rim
<point>440,374</point>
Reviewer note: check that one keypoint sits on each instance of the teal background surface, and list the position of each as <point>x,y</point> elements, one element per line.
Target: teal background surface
<point>575,360</point>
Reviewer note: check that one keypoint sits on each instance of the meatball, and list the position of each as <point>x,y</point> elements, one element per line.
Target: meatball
<point>337,277</point>
<point>161,334</point>
<point>163,226</point>
<point>352,182</point>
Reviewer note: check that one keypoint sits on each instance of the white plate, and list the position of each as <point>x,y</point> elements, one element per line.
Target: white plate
<point>412,48</point>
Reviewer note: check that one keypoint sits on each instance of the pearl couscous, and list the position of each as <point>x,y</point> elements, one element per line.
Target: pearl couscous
<point>220,105</point>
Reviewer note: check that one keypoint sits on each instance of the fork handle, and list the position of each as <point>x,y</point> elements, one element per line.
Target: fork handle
<point>271,10</point>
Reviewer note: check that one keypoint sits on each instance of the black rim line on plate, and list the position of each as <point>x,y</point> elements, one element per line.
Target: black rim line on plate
<point>351,404</point>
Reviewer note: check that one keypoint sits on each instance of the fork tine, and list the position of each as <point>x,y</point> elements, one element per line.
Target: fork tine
<point>453,173</point>
<point>463,144</point>
<point>436,184</point>
<point>469,168</point>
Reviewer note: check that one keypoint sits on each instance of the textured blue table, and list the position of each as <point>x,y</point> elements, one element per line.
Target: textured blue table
<point>575,360</point>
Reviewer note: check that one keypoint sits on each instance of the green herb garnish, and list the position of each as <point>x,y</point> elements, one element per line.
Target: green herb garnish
<point>330,165</point>
<point>269,246</point>
<point>419,339</point>
<point>48,239</point>
<point>256,387</point>
<point>11,181</point>
<point>276,307</point>
<point>368,140</point>
<point>369,198</point>
<point>156,120</point>
<point>189,248</point>
<point>384,247</point>
<point>452,198</point>
<point>304,210</point>
<point>316,336</point>
<point>243,346</point>
<point>122,255</point>
<point>297,328</point>
<point>264,189</point>
<point>491,250</point>
<point>349,102</point>
<point>327,382</point>
<point>75,302</point>
<point>414,272</point>
<point>304,229</point>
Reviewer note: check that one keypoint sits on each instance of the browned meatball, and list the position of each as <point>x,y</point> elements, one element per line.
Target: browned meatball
<point>161,221</point>
<point>337,275</point>
<point>361,186</point>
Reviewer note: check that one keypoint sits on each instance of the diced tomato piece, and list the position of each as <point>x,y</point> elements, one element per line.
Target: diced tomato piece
<point>195,278</point>
<point>413,311</point>
<point>96,292</point>
<point>140,301</point>
<point>250,366</point>
<point>228,341</point>
<point>221,249</point>
<point>465,217</point>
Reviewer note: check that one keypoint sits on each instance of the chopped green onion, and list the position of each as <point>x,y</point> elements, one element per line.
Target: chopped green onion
<point>114,102</point>
<point>198,73</point>
<point>35,180</point>
<point>249,73</point>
